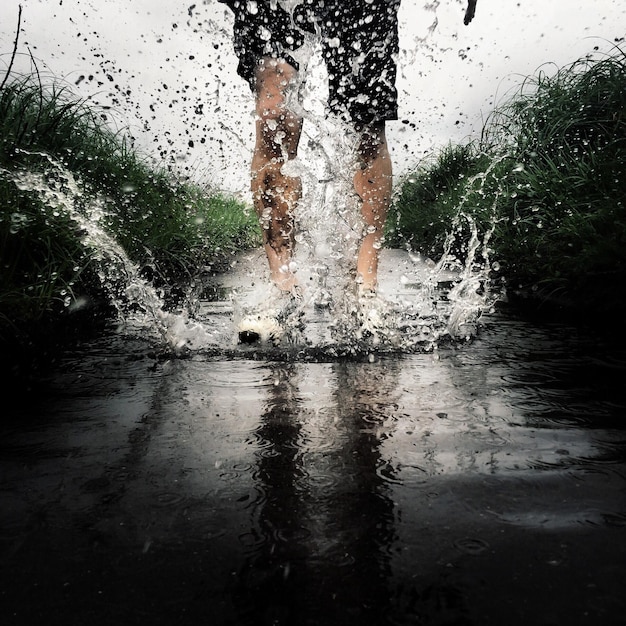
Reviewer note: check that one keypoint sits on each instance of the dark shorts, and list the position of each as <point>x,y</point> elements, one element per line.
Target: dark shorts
<point>359,41</point>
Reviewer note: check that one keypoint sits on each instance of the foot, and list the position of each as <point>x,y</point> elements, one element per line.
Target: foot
<point>267,323</point>
<point>371,309</point>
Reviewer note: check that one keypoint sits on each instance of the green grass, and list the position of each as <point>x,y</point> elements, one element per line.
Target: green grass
<point>174,228</point>
<point>428,201</point>
<point>549,175</point>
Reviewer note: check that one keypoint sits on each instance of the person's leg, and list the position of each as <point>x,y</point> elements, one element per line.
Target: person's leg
<point>373,184</point>
<point>362,76</point>
<point>275,195</point>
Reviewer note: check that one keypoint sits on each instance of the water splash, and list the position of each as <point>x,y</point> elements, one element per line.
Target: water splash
<point>421,304</point>
<point>136,301</point>
<point>472,291</point>
<point>429,303</point>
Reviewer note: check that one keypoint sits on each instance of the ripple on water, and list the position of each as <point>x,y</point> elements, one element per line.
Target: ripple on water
<point>471,545</point>
<point>615,519</point>
<point>295,534</point>
<point>169,499</point>
<point>238,375</point>
<point>251,539</point>
<point>552,520</point>
<point>413,474</point>
<point>388,473</point>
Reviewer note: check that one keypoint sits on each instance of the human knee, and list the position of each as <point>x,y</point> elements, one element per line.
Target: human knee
<point>274,78</point>
<point>278,129</point>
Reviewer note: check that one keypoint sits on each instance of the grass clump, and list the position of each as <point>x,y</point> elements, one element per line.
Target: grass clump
<point>428,201</point>
<point>60,161</point>
<point>548,176</point>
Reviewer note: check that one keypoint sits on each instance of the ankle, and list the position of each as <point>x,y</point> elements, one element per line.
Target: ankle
<point>285,283</point>
<point>365,291</point>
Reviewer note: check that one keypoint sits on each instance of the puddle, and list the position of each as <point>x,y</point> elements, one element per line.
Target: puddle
<point>474,484</point>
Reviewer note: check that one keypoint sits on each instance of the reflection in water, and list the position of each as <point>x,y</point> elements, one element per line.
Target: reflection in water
<point>325,519</point>
<point>482,485</point>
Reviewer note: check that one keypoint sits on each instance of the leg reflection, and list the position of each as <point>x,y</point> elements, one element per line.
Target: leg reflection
<point>276,568</point>
<point>324,521</point>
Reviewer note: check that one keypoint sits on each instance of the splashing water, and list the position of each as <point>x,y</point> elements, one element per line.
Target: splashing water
<point>472,292</point>
<point>420,305</point>
<point>136,301</point>
<point>416,309</point>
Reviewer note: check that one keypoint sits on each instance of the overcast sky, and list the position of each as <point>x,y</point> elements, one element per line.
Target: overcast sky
<point>168,70</point>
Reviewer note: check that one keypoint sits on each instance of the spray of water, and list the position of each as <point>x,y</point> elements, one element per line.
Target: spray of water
<point>421,303</point>
<point>136,301</point>
<point>445,300</point>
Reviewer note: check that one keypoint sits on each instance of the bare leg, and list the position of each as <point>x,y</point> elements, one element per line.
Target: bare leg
<point>373,184</point>
<point>274,194</point>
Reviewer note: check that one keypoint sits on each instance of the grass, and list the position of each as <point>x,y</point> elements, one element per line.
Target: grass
<point>549,174</point>
<point>171,228</point>
<point>428,200</point>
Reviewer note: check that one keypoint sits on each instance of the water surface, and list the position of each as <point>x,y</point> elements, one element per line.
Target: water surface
<point>481,483</point>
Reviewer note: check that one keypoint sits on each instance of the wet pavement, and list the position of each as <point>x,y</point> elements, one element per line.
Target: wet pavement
<point>483,483</point>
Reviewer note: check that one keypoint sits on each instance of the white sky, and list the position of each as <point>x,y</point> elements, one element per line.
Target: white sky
<point>168,70</point>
